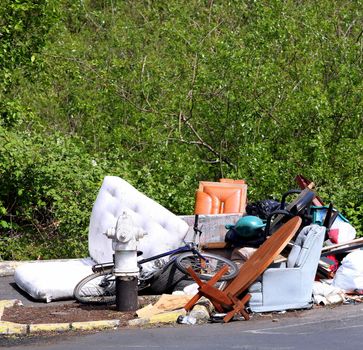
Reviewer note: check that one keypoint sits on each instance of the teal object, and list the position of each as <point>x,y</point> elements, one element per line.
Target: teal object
<point>247,226</point>
<point>319,212</point>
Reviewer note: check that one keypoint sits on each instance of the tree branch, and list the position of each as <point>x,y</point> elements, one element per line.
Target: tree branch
<point>201,142</point>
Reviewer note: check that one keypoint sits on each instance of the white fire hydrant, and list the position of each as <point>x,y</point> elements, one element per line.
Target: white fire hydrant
<point>125,236</point>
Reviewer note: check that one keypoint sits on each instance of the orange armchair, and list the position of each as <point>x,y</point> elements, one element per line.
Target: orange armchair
<point>227,197</point>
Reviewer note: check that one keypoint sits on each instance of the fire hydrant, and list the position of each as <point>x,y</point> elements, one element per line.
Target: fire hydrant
<point>125,236</point>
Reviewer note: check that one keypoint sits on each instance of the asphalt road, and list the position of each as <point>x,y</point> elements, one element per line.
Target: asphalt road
<point>340,327</point>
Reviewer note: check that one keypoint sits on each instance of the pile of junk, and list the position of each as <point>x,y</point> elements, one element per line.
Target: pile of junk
<point>239,257</point>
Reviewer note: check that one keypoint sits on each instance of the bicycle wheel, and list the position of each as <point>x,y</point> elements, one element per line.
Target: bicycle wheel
<point>207,268</point>
<point>166,280</point>
<point>98,288</point>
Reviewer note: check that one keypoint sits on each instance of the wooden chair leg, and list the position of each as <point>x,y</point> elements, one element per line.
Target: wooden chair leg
<point>189,305</point>
<point>196,297</point>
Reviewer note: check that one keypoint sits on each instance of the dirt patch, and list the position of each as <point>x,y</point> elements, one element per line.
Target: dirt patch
<point>71,313</point>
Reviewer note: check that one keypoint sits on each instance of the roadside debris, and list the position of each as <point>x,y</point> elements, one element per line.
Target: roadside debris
<point>349,275</point>
<point>169,309</point>
<point>226,229</point>
<point>326,294</point>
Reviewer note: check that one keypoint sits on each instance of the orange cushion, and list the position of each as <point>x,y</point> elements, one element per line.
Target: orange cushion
<point>220,198</point>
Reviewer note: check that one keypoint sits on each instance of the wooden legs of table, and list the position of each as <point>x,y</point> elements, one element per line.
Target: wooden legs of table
<point>218,298</point>
<point>203,286</point>
<point>239,306</point>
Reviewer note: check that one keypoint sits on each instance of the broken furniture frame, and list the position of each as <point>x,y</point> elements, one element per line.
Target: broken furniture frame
<point>299,206</point>
<point>234,297</point>
<point>345,247</point>
<point>303,183</point>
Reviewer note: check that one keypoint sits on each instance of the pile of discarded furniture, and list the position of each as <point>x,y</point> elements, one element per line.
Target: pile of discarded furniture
<point>280,247</point>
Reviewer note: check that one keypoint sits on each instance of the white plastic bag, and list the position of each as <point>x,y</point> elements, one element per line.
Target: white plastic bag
<point>342,232</point>
<point>349,276</point>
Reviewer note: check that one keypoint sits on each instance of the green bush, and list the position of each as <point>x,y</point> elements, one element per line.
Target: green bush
<point>47,187</point>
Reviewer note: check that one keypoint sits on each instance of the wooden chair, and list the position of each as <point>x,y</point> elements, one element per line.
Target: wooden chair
<point>234,297</point>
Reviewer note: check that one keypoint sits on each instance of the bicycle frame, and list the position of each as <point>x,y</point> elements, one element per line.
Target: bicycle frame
<point>188,247</point>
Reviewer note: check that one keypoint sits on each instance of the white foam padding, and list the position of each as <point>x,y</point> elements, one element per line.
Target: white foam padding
<point>52,280</point>
<point>164,229</point>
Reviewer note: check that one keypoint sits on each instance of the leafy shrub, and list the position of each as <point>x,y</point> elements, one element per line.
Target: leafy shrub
<point>47,187</point>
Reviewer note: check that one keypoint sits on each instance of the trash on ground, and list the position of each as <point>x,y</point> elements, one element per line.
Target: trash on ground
<point>279,246</point>
<point>326,294</point>
<point>349,275</point>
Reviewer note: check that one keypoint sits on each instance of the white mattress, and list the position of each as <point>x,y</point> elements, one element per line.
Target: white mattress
<point>52,280</point>
<point>164,229</point>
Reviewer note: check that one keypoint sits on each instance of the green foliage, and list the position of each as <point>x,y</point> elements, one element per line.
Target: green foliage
<point>47,186</point>
<point>24,26</point>
<point>168,93</point>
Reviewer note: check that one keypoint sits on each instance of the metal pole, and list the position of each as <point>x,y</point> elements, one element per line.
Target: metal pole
<point>126,293</point>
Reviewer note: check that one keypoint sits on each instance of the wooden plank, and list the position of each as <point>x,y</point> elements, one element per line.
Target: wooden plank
<point>350,244</point>
<point>214,245</point>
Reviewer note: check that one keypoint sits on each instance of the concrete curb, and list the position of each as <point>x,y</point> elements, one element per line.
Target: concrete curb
<point>11,328</point>
<point>8,328</point>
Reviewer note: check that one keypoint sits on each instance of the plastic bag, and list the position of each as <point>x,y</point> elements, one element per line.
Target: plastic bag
<point>263,208</point>
<point>350,274</point>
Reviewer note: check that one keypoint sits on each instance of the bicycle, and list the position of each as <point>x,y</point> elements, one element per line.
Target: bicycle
<point>100,286</point>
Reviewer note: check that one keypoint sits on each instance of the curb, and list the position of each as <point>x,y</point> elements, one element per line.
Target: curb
<point>11,328</point>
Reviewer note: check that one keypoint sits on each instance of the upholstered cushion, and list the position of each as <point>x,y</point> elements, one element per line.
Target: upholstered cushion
<point>300,248</point>
<point>256,299</point>
<point>293,256</point>
<point>255,287</point>
<point>220,198</point>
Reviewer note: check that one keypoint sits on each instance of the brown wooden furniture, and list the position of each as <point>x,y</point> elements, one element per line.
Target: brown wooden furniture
<point>303,182</point>
<point>234,297</point>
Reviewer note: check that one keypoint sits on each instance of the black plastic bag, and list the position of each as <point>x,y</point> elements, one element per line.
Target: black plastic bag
<point>263,208</point>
